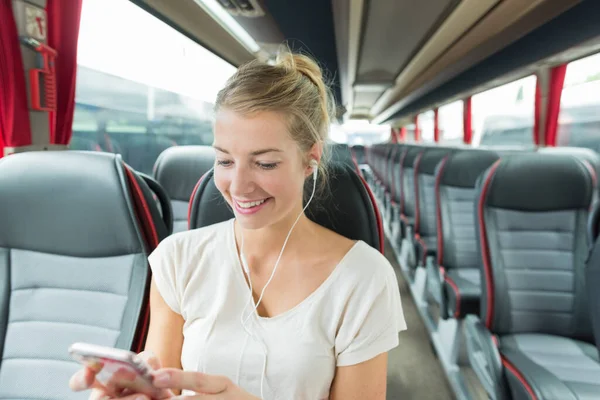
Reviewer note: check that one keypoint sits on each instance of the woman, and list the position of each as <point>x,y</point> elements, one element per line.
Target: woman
<point>270,305</point>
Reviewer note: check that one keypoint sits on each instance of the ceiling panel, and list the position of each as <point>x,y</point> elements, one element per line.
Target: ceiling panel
<point>394,30</point>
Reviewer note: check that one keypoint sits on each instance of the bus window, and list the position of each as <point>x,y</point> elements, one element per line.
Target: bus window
<point>450,122</point>
<point>426,127</point>
<point>579,120</point>
<point>505,115</point>
<point>142,86</point>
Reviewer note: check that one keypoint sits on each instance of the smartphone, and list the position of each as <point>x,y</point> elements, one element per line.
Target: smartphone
<point>110,362</point>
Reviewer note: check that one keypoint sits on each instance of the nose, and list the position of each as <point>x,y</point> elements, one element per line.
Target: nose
<point>242,181</point>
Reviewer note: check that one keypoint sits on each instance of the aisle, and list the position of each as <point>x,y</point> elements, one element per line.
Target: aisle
<point>413,369</point>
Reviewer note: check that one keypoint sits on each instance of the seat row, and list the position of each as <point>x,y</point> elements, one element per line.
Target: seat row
<point>76,229</point>
<point>494,244</point>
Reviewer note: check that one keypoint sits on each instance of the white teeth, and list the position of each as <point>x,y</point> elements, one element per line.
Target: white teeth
<point>250,204</point>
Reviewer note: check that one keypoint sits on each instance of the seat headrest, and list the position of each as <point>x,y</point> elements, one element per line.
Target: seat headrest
<point>348,210</point>
<point>412,153</point>
<point>179,168</point>
<point>538,182</point>
<point>70,203</point>
<point>464,167</point>
<point>431,157</point>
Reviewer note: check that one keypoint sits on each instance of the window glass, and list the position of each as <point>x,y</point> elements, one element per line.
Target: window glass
<point>450,122</point>
<point>426,121</point>
<point>141,85</point>
<point>505,115</point>
<point>579,117</point>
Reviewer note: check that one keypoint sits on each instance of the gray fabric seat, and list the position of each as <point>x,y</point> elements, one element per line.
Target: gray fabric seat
<point>178,169</point>
<point>425,202</point>
<point>457,249</point>
<point>532,211</point>
<point>77,228</point>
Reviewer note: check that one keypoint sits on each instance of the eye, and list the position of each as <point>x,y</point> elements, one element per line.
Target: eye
<point>268,166</point>
<point>224,163</point>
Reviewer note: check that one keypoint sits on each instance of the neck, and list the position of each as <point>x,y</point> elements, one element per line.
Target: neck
<point>267,242</point>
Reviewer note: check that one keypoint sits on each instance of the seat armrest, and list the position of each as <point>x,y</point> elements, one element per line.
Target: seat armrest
<point>434,284</point>
<point>484,357</point>
<point>463,296</point>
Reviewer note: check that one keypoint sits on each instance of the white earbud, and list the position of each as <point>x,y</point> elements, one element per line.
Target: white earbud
<point>315,167</point>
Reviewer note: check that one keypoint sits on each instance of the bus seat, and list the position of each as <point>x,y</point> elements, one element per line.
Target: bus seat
<point>349,208</point>
<point>396,195</point>
<point>408,203</point>
<point>77,228</point>
<point>389,183</point>
<point>459,292</point>
<point>592,274</point>
<point>340,153</point>
<point>178,169</point>
<point>358,151</point>
<point>425,203</point>
<point>532,212</point>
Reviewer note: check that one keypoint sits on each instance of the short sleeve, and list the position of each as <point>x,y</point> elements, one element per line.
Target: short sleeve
<point>372,321</point>
<point>163,262</point>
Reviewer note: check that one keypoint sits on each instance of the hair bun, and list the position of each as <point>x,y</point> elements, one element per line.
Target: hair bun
<point>303,65</point>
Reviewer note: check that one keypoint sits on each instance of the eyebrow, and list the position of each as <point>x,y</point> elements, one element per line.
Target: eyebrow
<point>254,153</point>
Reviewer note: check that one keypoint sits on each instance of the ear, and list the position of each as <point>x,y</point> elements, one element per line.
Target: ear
<point>315,153</point>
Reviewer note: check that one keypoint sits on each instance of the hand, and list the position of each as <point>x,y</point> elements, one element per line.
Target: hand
<point>207,387</point>
<point>85,379</point>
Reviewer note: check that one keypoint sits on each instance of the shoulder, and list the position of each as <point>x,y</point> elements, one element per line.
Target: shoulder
<point>192,241</point>
<point>181,256</point>
<point>364,265</point>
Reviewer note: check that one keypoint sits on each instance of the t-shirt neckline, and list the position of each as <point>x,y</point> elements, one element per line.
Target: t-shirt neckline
<point>241,278</point>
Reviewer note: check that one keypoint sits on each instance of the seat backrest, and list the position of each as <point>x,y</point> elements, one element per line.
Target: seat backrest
<point>592,279</point>
<point>341,153</point>
<point>349,210</point>
<point>408,200</point>
<point>425,202</point>
<point>455,183</point>
<point>358,151</point>
<point>532,211</point>
<point>178,169</point>
<point>396,173</point>
<point>77,228</point>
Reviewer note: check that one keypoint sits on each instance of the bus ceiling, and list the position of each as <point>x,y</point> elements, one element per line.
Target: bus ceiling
<point>388,60</point>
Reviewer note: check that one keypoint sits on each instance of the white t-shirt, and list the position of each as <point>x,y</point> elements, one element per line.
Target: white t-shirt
<point>353,316</point>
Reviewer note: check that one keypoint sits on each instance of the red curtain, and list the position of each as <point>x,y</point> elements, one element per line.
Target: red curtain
<point>557,80</point>
<point>15,129</point>
<point>467,121</point>
<point>403,134</point>
<point>63,34</point>
<point>417,131</point>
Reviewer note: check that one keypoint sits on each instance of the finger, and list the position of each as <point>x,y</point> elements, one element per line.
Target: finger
<point>186,380</point>
<point>84,379</point>
<point>149,357</point>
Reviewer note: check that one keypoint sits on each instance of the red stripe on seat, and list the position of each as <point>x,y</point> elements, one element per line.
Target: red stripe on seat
<point>377,215</point>
<point>485,247</point>
<point>438,212</point>
<point>513,370</point>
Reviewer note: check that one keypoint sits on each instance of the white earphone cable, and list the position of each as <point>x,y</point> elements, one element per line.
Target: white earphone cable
<point>247,271</point>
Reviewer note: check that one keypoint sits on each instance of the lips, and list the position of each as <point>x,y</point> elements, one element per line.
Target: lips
<point>250,207</point>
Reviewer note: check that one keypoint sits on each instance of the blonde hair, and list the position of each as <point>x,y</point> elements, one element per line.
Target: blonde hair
<point>294,87</point>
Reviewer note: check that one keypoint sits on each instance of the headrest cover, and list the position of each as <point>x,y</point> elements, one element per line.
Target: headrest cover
<point>464,167</point>
<point>348,210</point>
<point>411,155</point>
<point>179,168</point>
<point>341,153</point>
<point>68,203</point>
<point>539,182</point>
<point>431,158</point>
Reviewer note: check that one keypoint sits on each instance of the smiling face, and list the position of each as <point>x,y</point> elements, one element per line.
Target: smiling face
<point>260,170</point>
